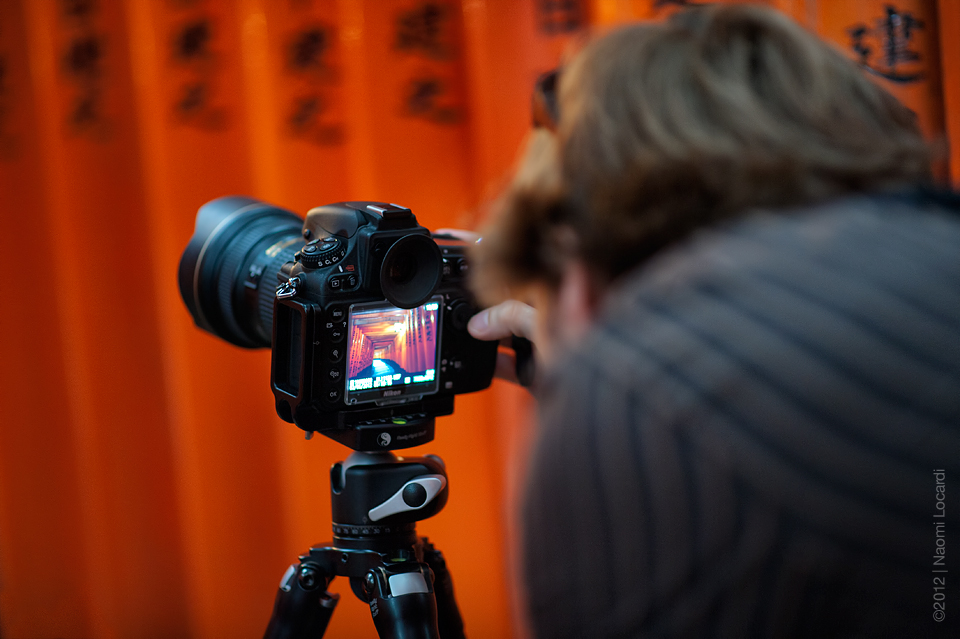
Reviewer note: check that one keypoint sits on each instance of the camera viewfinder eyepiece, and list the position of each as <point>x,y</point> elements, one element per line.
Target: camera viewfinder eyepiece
<point>411,271</point>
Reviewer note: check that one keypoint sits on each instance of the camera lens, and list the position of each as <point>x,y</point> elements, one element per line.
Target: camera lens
<point>228,272</point>
<point>411,271</point>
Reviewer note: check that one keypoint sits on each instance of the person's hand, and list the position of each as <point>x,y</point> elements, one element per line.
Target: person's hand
<point>506,322</point>
<point>503,322</point>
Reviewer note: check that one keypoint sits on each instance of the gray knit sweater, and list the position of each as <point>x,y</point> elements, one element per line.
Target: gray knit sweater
<point>748,442</point>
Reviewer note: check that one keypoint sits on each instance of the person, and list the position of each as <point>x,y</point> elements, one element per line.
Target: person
<point>744,293</point>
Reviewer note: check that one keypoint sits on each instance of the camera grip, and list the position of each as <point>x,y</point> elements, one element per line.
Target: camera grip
<point>525,363</point>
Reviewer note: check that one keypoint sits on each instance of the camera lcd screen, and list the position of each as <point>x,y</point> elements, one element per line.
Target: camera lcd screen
<point>392,352</point>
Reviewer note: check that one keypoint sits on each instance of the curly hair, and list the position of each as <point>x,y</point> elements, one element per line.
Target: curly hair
<point>668,127</point>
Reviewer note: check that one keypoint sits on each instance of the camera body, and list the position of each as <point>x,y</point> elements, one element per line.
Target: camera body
<point>369,329</point>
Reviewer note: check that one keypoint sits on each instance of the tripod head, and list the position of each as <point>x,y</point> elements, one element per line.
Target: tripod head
<point>377,497</point>
<point>376,500</point>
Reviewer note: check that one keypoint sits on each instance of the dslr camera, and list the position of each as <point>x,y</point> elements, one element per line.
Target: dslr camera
<point>365,310</point>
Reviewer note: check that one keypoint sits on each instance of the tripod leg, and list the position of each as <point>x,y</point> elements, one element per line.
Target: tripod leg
<point>402,604</point>
<point>449,619</point>
<point>302,608</point>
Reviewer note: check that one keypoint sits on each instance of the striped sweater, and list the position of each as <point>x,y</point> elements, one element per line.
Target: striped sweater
<point>750,441</point>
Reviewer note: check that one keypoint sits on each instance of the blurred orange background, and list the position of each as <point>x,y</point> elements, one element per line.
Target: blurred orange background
<point>147,489</point>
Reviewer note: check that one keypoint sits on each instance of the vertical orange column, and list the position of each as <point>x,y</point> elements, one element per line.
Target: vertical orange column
<point>407,354</point>
<point>949,18</point>
<point>295,82</point>
<point>897,45</point>
<point>195,134</point>
<point>509,44</point>
<point>96,271</point>
<point>409,345</point>
<point>406,100</point>
<point>408,122</point>
<point>40,506</point>
<point>303,152</point>
<point>293,62</point>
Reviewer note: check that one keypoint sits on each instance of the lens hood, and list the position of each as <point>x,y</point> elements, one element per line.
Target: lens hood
<point>227,230</point>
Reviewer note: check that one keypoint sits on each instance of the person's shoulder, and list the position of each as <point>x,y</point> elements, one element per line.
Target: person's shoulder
<point>918,224</point>
<point>888,240</point>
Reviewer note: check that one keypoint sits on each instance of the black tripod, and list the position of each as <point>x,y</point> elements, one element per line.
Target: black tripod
<point>376,499</point>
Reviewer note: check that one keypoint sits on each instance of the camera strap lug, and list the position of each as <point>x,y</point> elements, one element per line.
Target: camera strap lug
<point>289,288</point>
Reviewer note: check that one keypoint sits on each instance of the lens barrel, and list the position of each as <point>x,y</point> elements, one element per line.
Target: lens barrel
<point>228,272</point>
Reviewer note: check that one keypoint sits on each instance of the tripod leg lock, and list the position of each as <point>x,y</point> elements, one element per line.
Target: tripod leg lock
<point>302,607</point>
<point>402,601</point>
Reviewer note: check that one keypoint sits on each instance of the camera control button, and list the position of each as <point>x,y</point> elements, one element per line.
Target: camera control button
<point>335,354</point>
<point>460,314</point>
<point>319,252</point>
<point>344,282</point>
<point>332,394</point>
<point>310,256</point>
<point>333,374</point>
<point>337,313</point>
<point>336,334</point>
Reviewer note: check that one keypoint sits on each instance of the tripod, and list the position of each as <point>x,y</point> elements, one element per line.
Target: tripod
<point>376,499</point>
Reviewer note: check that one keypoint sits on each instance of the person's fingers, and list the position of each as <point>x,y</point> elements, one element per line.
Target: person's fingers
<point>500,322</point>
<point>503,320</point>
<point>467,236</point>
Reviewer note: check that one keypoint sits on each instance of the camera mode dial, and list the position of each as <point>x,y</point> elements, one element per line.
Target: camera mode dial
<point>323,252</point>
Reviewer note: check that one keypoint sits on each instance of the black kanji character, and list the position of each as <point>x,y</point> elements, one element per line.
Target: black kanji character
<point>560,16</point>
<point>193,40</point>
<point>422,95</point>
<point>422,29</point>
<point>78,8</point>
<point>305,110</point>
<point>857,34</point>
<point>194,97</point>
<point>894,34</point>
<point>87,110</point>
<point>423,100</point>
<point>898,32</point>
<point>308,48</point>
<point>84,56</point>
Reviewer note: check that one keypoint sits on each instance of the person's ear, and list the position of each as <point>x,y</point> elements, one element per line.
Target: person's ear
<point>577,301</point>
